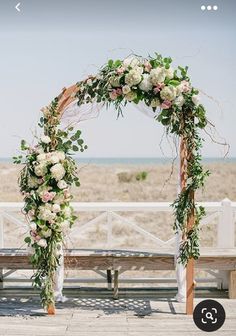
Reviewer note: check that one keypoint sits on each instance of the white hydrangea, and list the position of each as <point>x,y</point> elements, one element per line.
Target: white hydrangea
<point>179,101</point>
<point>58,171</point>
<point>157,75</point>
<point>45,139</point>
<point>146,84</point>
<point>133,78</point>
<point>41,169</point>
<point>46,214</point>
<point>56,208</point>
<point>42,242</point>
<point>168,93</point>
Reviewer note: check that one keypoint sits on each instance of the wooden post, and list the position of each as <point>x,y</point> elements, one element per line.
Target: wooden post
<point>184,155</point>
<point>116,284</point>
<point>51,309</point>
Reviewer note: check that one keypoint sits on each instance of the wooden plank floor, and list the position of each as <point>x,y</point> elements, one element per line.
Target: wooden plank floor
<point>95,313</point>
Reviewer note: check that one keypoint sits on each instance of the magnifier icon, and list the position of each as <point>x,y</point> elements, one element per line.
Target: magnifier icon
<point>209,316</point>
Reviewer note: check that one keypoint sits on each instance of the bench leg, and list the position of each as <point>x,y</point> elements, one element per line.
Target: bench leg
<point>109,280</point>
<point>116,291</point>
<point>232,285</point>
<point>1,278</point>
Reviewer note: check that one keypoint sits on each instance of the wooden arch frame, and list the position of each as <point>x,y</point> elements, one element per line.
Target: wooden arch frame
<point>67,96</point>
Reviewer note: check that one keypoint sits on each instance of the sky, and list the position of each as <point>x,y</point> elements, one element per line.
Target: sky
<point>52,44</point>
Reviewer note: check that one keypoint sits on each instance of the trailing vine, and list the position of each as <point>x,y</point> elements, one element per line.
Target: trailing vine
<point>48,172</point>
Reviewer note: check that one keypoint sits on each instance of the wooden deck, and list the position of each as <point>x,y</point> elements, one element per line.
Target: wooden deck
<point>137,313</point>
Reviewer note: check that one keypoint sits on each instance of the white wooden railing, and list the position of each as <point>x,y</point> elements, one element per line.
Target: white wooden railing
<point>224,212</point>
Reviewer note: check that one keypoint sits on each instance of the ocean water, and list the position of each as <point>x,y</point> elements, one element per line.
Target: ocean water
<point>136,161</point>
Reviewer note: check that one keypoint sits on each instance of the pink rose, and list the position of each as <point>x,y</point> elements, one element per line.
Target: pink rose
<point>147,66</point>
<point>113,94</point>
<point>166,104</point>
<point>120,70</point>
<point>119,92</point>
<point>48,196</point>
<point>158,87</point>
<point>185,86</point>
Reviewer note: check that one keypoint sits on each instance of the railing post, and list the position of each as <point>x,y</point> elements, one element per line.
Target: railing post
<point>225,235</point>
<point>225,231</point>
<point>1,246</point>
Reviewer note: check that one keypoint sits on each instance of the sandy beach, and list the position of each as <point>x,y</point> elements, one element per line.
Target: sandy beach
<point>118,183</point>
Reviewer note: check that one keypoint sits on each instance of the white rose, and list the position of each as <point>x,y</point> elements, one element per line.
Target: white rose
<point>179,101</point>
<point>126,89</point>
<point>45,139</point>
<point>155,102</point>
<point>195,99</point>
<point>56,208</point>
<point>46,214</point>
<point>131,96</point>
<point>168,93</point>
<point>133,78</point>
<point>169,73</point>
<point>58,171</point>
<point>115,81</point>
<point>33,226</point>
<point>61,156</point>
<point>42,242</point>
<point>131,61</point>
<point>157,76</point>
<point>184,86</point>
<point>41,169</point>
<point>139,69</point>
<point>41,157</point>
<point>54,158</point>
<point>62,184</point>
<point>146,84</point>
<point>32,182</point>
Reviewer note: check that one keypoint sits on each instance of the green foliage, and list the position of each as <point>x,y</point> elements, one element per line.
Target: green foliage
<point>57,149</point>
<point>141,176</point>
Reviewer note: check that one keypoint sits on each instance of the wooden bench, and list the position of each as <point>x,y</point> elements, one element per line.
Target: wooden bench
<point>126,260</point>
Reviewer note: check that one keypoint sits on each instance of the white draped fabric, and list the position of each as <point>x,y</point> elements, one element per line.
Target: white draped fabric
<point>72,115</point>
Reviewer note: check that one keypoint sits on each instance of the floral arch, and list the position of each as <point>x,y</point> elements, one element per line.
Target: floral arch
<point>49,169</point>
